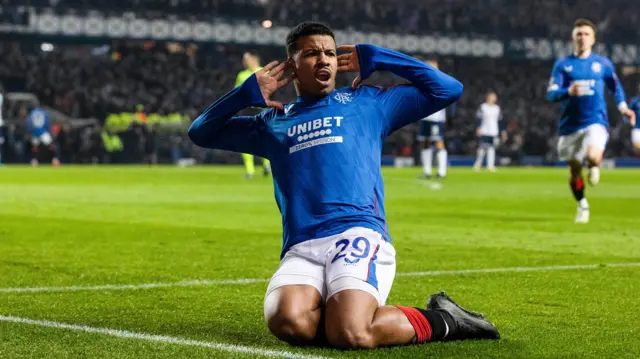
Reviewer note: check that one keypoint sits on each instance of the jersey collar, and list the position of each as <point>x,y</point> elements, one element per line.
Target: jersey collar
<point>583,58</point>
<point>315,101</point>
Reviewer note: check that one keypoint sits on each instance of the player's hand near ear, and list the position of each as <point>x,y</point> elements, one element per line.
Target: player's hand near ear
<point>270,80</point>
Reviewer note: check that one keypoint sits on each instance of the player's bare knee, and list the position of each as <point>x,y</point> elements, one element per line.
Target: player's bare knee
<point>594,156</point>
<point>345,336</point>
<point>594,159</point>
<point>291,326</point>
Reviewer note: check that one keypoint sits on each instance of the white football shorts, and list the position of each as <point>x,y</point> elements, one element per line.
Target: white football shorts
<point>44,139</point>
<point>635,136</point>
<point>358,258</point>
<point>574,146</point>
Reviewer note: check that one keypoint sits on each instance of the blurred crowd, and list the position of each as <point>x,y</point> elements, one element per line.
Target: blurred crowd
<point>616,19</point>
<point>84,81</point>
<point>89,144</point>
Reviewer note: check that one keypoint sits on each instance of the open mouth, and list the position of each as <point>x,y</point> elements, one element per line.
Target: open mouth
<point>323,75</point>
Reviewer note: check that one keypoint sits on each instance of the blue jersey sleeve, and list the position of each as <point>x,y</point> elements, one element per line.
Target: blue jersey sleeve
<point>614,85</point>
<point>558,90</point>
<point>217,128</point>
<point>430,90</point>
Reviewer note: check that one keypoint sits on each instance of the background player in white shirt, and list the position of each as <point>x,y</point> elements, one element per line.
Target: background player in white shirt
<point>431,133</point>
<point>490,125</point>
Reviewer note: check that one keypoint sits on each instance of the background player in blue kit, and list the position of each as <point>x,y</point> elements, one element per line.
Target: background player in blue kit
<point>634,105</point>
<point>337,263</point>
<point>578,81</point>
<point>431,134</point>
<point>39,128</point>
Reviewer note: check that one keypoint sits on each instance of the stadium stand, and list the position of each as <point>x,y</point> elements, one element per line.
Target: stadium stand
<point>542,18</point>
<point>171,84</point>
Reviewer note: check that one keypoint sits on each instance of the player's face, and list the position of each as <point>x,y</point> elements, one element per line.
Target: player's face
<point>316,64</point>
<point>583,38</point>
<point>245,60</point>
<point>249,61</point>
<point>492,98</point>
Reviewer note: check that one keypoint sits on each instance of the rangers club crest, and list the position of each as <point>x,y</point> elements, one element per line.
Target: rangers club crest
<point>343,98</point>
<point>287,108</point>
<point>596,67</point>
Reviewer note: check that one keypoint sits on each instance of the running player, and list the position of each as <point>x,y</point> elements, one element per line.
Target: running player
<point>578,81</point>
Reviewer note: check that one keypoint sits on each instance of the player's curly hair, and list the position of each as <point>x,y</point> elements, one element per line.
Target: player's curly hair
<point>306,28</point>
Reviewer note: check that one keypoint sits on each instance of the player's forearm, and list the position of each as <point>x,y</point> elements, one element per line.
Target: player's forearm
<point>633,106</point>
<point>621,101</point>
<point>439,87</point>
<point>614,85</point>
<point>208,126</point>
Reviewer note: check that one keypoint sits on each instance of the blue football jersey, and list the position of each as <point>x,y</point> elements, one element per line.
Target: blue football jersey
<point>635,106</point>
<point>325,152</point>
<point>591,74</point>
<point>38,122</point>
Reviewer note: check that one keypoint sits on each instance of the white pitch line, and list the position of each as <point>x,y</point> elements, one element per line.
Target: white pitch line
<point>160,338</point>
<point>184,283</point>
<point>517,269</point>
<point>193,283</point>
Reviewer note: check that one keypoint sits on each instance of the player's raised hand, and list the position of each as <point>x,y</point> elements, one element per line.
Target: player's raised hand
<point>270,80</point>
<point>575,90</point>
<point>349,62</point>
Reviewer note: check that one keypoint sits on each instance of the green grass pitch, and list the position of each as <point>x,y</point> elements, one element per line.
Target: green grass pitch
<point>89,226</point>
